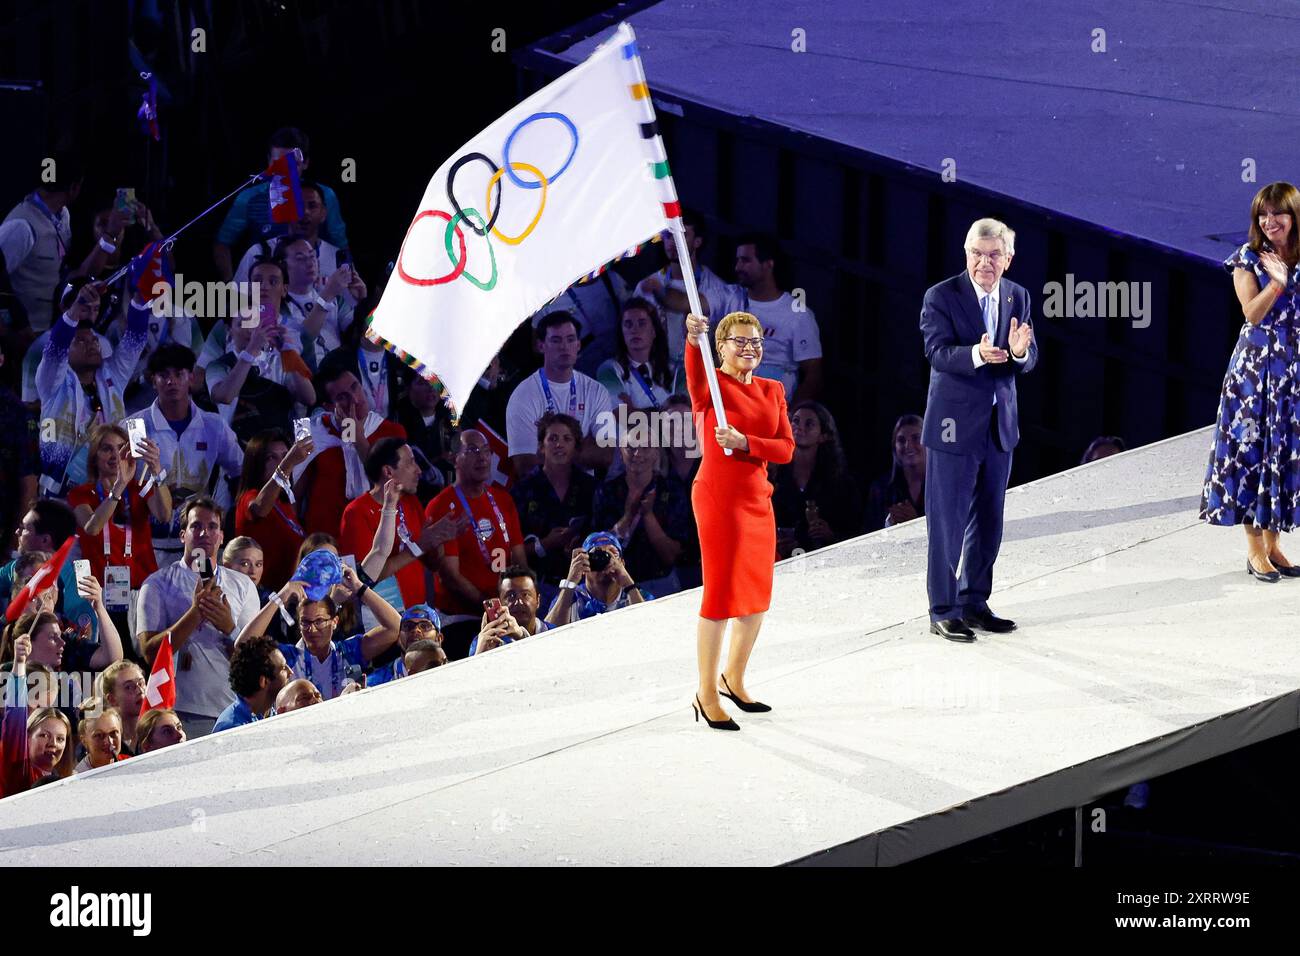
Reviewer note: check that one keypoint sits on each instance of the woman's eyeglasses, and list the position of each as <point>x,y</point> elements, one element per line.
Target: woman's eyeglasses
<point>743,343</point>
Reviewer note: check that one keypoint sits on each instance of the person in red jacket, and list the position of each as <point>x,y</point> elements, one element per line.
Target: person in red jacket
<point>732,499</point>
<point>35,746</point>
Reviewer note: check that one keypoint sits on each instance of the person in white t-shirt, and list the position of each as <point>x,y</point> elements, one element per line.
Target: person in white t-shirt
<point>320,307</point>
<point>558,387</point>
<point>667,288</point>
<point>597,306</point>
<point>792,344</point>
<point>308,227</point>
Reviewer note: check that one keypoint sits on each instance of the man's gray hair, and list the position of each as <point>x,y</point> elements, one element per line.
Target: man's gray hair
<point>991,229</point>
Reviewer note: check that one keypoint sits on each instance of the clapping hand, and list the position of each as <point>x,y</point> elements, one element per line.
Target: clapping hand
<point>1275,266</point>
<point>1020,338</point>
<point>990,353</point>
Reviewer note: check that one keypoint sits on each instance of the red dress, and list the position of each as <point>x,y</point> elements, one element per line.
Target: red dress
<point>731,495</point>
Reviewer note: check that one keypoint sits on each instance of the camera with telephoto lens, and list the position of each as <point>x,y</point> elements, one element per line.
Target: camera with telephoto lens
<point>598,558</point>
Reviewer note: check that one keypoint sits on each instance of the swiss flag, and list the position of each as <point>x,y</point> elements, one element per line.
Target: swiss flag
<point>45,575</point>
<point>161,691</point>
<point>503,470</point>
<point>285,191</point>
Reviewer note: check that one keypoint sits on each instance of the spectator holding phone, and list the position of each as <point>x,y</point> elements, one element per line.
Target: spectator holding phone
<point>63,648</point>
<point>321,306</point>
<point>44,529</point>
<point>265,505</point>
<point>513,615</point>
<point>597,582</point>
<point>201,608</point>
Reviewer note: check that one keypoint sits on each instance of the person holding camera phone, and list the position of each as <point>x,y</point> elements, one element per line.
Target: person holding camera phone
<point>597,582</point>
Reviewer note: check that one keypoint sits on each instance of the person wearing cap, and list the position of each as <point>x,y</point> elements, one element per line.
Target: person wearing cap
<point>419,623</point>
<point>587,592</point>
<point>517,619</point>
<point>334,666</point>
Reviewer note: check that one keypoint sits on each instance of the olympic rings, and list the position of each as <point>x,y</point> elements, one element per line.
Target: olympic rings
<point>451,195</point>
<point>474,219</point>
<point>451,225</point>
<point>496,179</point>
<point>505,150</point>
<point>454,273</point>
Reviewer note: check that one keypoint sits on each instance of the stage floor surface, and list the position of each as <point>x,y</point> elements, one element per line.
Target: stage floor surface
<point>1143,646</point>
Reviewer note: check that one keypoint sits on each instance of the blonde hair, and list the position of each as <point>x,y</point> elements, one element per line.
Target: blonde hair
<point>235,545</point>
<point>106,682</point>
<point>64,767</point>
<point>97,436</point>
<point>149,721</point>
<point>91,711</point>
<point>730,321</point>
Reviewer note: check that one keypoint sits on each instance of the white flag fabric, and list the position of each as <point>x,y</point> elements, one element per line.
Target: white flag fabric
<point>567,181</point>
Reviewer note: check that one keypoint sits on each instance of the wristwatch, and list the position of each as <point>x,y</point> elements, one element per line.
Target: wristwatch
<point>567,585</point>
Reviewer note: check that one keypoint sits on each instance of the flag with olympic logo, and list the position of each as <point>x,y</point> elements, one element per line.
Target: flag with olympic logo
<point>567,181</point>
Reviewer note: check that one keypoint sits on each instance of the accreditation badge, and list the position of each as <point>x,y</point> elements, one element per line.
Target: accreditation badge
<point>117,587</point>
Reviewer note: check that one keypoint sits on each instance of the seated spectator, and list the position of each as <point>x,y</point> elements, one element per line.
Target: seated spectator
<point>36,236</point>
<point>32,746</point>
<point>321,306</point>
<point>261,509</point>
<point>640,374</point>
<point>423,655</point>
<point>157,729</point>
<point>394,477</point>
<point>554,499</point>
<point>328,255</point>
<point>427,421</point>
<point>382,377</point>
<point>122,686</point>
<point>597,304</point>
<point>792,345</point>
<point>684,455</point>
<point>595,586</point>
<point>265,382</point>
<point>258,673</point>
<point>489,539</point>
<point>196,447</point>
<point>814,497</point>
<point>342,439</point>
<point>202,616</point>
<point>101,736</point>
<point>78,389</point>
<point>487,404</point>
<point>667,287</point>
<point>244,555</point>
<point>296,695</point>
<point>45,528</point>
<point>419,623</point>
<point>328,663</point>
<point>650,512</point>
<point>249,218</point>
<point>19,459</point>
<point>557,387</point>
<point>518,618</point>
<point>1103,447</point>
<point>900,496</point>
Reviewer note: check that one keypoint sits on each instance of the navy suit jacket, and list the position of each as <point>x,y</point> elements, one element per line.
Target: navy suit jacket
<point>960,400</point>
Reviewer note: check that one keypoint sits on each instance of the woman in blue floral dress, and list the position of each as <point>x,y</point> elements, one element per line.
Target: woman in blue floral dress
<point>1254,474</point>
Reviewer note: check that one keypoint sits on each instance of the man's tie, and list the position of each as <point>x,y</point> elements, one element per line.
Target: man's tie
<point>991,324</point>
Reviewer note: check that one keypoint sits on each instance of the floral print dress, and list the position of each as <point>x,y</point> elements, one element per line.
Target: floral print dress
<point>1254,471</point>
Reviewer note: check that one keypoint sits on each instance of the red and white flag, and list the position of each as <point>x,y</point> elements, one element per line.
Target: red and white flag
<point>161,690</point>
<point>46,575</point>
<point>503,469</point>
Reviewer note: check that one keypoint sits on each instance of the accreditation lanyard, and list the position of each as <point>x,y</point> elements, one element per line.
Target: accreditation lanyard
<point>478,536</point>
<point>645,386</point>
<point>55,221</point>
<point>378,389</point>
<point>283,512</point>
<point>126,510</point>
<point>550,399</point>
<point>404,533</point>
<point>311,664</point>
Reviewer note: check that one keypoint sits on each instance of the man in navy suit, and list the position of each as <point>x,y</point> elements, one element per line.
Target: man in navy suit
<point>978,339</point>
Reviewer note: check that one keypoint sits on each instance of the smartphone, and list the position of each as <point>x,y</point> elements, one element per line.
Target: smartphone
<point>136,434</point>
<point>350,560</point>
<point>125,203</point>
<point>267,315</point>
<point>203,566</point>
<point>493,608</point>
<point>301,429</point>
<point>81,568</point>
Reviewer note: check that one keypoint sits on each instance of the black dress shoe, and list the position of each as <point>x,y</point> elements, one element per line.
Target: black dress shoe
<point>953,630</point>
<point>988,621</point>
<point>1268,577</point>
<point>1287,570</point>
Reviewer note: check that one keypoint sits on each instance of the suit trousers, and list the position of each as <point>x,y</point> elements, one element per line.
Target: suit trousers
<point>964,495</point>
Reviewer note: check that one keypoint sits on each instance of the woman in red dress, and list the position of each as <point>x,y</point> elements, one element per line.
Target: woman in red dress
<point>733,506</point>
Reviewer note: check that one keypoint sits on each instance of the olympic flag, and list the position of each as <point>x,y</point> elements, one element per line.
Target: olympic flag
<point>570,179</point>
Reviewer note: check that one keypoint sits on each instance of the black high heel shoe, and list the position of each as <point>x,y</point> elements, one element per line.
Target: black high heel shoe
<point>727,724</point>
<point>1286,570</point>
<point>1268,577</point>
<point>749,707</point>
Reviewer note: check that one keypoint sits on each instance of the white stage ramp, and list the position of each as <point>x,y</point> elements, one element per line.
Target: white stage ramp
<point>1143,647</point>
